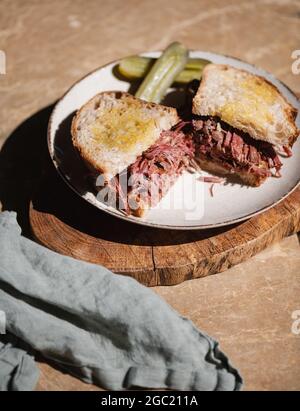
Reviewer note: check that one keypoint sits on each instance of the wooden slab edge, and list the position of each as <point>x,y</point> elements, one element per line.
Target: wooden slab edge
<point>238,244</point>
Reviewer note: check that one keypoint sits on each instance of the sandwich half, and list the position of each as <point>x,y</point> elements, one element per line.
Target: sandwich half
<point>242,122</point>
<point>135,150</point>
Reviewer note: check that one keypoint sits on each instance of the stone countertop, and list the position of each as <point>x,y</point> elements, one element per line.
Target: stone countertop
<point>51,44</point>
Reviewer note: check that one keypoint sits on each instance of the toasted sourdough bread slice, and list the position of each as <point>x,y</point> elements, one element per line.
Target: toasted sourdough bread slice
<point>247,102</point>
<point>113,128</point>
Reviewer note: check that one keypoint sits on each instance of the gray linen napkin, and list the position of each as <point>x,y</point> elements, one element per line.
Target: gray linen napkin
<point>18,371</point>
<point>104,328</point>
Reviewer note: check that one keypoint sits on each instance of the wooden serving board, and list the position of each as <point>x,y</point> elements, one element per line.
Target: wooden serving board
<point>64,222</point>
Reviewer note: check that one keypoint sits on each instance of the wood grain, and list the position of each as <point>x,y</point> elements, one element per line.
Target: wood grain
<point>65,223</point>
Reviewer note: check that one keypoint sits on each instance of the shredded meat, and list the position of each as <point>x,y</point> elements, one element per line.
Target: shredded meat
<point>288,151</point>
<point>156,170</point>
<point>235,150</point>
<point>211,179</point>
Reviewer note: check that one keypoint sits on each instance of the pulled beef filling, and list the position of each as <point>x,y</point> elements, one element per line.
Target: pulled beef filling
<point>156,170</point>
<point>235,150</point>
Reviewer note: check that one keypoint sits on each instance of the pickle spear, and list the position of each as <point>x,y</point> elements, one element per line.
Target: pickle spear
<point>163,72</point>
<point>186,76</point>
<point>136,67</point>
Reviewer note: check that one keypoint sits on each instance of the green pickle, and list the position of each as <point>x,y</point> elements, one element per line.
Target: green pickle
<point>136,67</point>
<point>163,73</point>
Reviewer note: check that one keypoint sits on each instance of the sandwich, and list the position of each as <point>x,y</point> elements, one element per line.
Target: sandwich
<point>241,123</point>
<point>135,150</point>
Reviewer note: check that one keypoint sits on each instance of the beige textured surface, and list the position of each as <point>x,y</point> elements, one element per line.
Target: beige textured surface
<point>51,44</point>
<point>248,309</point>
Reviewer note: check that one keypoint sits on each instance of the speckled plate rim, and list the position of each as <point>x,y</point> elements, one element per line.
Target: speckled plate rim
<point>141,221</point>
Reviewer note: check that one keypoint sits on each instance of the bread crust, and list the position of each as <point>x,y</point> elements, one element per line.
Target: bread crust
<point>216,167</point>
<point>290,112</point>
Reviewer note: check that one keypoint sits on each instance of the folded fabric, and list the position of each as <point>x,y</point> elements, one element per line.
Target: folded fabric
<point>102,327</point>
<point>18,371</point>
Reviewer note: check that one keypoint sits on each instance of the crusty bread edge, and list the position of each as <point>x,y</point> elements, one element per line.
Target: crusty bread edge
<point>290,110</point>
<point>85,156</point>
<point>140,212</point>
<point>215,167</point>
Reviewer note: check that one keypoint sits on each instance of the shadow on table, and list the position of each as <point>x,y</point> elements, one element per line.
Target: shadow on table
<point>22,160</point>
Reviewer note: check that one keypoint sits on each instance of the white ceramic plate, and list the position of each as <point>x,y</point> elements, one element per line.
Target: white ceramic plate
<point>189,204</point>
